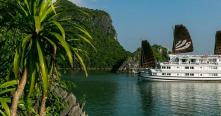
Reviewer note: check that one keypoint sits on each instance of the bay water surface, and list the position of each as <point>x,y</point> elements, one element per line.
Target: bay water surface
<point>108,94</point>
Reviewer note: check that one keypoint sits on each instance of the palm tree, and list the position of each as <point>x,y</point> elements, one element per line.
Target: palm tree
<point>43,39</point>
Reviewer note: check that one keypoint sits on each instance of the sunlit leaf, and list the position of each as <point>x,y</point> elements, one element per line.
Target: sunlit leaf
<point>37,24</point>
<point>16,64</point>
<point>2,113</point>
<point>81,62</point>
<point>6,107</point>
<point>25,40</point>
<point>32,83</point>
<point>43,68</point>
<point>27,5</point>
<point>82,30</point>
<point>22,8</point>
<point>8,84</point>
<point>86,40</point>
<point>65,45</point>
<point>60,28</point>
<point>7,90</point>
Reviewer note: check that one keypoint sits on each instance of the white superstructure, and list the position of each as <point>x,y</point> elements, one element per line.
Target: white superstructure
<point>186,67</point>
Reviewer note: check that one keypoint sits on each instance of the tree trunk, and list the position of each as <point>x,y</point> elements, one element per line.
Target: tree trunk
<point>43,102</point>
<point>19,92</point>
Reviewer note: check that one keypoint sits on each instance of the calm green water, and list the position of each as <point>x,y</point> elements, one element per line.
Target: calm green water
<point>109,94</point>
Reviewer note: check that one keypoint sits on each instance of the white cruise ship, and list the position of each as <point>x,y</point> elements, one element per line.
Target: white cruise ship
<point>186,67</point>
<point>182,67</point>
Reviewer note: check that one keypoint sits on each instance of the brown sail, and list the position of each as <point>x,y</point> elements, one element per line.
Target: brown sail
<point>147,57</point>
<point>217,49</point>
<point>182,41</point>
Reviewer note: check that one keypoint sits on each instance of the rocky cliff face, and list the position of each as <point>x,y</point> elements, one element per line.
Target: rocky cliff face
<point>72,107</point>
<point>102,21</point>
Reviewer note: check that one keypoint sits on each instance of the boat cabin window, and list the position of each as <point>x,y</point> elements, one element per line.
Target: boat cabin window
<point>186,67</point>
<point>193,60</point>
<point>163,73</point>
<point>168,67</point>
<point>184,60</point>
<point>191,67</point>
<point>154,73</point>
<point>201,74</point>
<point>212,60</point>
<point>176,59</point>
<point>168,74</point>
<point>163,67</point>
<point>191,74</point>
<point>187,74</point>
<point>213,67</point>
<point>215,74</point>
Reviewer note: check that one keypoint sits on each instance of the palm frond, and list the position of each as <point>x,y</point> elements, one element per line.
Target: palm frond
<point>65,45</point>
<point>43,68</point>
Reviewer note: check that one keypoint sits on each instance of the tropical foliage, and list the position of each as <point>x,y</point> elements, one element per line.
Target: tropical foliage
<point>8,41</point>
<point>5,100</point>
<point>44,37</point>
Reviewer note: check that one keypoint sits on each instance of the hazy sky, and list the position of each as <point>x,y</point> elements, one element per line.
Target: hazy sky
<point>153,20</point>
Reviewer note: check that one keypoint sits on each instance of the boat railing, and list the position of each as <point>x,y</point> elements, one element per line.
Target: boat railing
<point>196,63</point>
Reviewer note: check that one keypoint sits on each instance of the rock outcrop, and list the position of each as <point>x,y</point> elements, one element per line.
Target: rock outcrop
<point>133,62</point>
<point>72,108</point>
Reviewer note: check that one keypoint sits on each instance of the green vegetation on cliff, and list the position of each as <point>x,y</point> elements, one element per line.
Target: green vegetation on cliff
<point>99,24</point>
<point>160,53</point>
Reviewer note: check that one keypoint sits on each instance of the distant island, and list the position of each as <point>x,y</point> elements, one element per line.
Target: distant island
<point>160,53</point>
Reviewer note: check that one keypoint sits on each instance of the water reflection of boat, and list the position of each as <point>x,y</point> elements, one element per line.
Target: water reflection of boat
<point>180,98</point>
<point>182,67</point>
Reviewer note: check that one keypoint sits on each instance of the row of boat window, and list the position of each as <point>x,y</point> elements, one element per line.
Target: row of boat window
<point>166,67</point>
<point>192,74</point>
<point>168,74</point>
<point>194,60</point>
<point>186,74</point>
<point>187,67</point>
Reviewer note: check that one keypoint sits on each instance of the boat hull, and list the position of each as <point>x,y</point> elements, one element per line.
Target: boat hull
<point>173,78</point>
